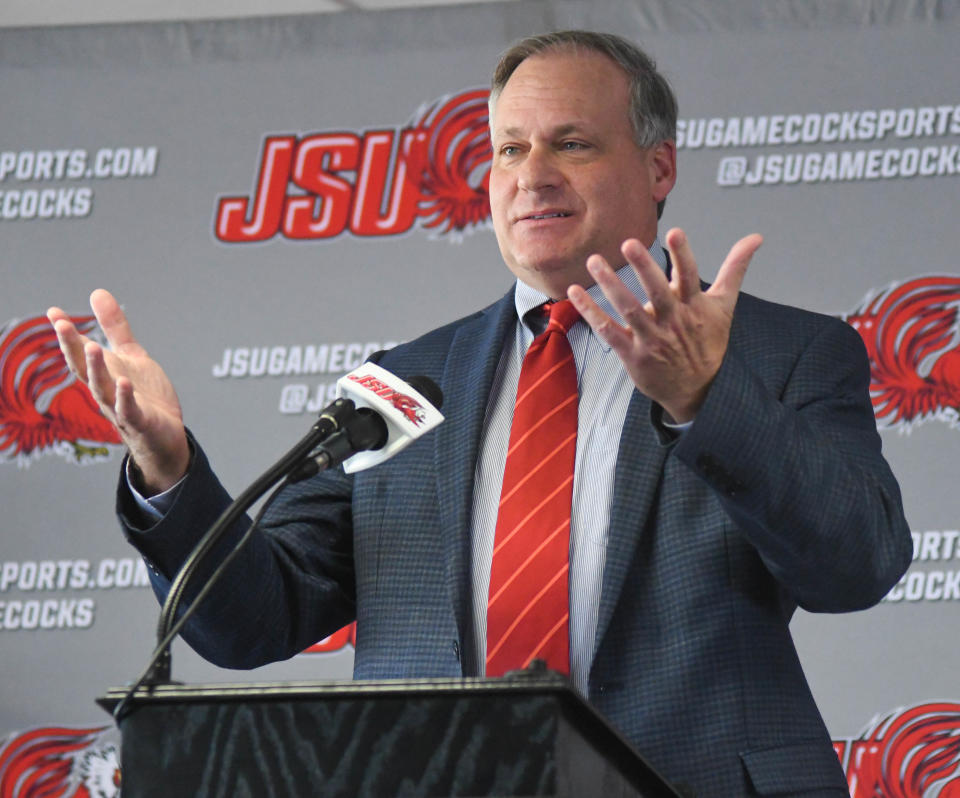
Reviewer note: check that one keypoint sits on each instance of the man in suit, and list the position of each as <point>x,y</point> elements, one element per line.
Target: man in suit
<point>727,465</point>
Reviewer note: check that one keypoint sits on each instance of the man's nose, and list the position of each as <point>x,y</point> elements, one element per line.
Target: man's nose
<point>538,172</point>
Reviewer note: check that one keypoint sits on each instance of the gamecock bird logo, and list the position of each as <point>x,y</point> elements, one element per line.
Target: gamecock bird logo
<point>455,181</point>
<point>43,408</point>
<point>59,762</point>
<point>910,753</point>
<point>912,333</point>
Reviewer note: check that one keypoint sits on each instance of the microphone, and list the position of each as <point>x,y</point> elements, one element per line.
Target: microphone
<point>390,414</point>
<point>364,429</point>
<point>409,409</point>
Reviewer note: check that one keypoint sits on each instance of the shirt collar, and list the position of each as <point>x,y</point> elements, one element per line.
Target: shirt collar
<point>526,298</point>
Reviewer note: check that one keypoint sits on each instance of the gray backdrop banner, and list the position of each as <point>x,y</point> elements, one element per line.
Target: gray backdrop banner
<point>157,160</point>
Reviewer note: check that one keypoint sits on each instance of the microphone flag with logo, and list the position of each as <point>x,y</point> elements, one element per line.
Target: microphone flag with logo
<point>409,413</point>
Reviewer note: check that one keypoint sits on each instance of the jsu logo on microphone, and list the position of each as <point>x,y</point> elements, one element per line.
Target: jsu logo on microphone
<point>407,405</point>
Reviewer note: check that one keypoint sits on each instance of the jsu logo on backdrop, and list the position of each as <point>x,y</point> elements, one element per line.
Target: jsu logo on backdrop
<point>431,174</point>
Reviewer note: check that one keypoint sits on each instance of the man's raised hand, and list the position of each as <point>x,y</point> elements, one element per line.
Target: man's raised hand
<point>672,346</point>
<point>132,390</point>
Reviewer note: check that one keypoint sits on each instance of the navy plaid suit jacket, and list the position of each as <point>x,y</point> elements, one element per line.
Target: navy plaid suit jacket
<point>776,497</point>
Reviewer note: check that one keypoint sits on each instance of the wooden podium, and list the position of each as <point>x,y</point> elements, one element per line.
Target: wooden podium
<point>528,735</point>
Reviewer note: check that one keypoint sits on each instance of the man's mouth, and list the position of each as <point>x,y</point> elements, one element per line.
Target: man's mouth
<point>536,217</point>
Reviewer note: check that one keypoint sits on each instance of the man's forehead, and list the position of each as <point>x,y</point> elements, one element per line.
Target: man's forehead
<point>573,63</point>
<point>563,88</point>
<point>556,130</point>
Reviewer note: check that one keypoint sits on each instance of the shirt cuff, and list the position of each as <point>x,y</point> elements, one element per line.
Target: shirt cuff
<point>154,507</point>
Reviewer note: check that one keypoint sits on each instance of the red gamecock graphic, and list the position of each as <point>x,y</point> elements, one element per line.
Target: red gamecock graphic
<point>456,176</point>
<point>42,406</point>
<point>58,762</point>
<point>433,173</point>
<point>910,753</point>
<point>410,407</point>
<point>912,333</point>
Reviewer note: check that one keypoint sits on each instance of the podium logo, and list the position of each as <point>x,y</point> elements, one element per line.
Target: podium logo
<point>432,174</point>
<point>912,333</point>
<point>43,408</point>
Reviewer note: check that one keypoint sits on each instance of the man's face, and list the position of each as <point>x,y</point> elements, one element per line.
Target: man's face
<point>567,178</point>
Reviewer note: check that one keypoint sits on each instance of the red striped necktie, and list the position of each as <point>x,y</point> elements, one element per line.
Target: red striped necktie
<point>528,606</point>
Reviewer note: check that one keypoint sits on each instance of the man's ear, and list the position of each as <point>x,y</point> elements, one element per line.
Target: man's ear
<point>663,169</point>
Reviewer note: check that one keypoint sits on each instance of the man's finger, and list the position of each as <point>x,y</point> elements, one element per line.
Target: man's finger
<point>100,381</point>
<point>112,320</point>
<point>621,298</point>
<point>129,413</point>
<point>54,314</point>
<point>685,274</point>
<point>70,341</point>
<point>651,277</point>
<point>734,268</point>
<point>611,332</point>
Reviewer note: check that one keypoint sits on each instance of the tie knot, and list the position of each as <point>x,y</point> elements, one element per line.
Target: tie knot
<point>562,314</point>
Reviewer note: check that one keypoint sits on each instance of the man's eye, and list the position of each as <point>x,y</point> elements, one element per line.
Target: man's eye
<point>509,149</point>
<point>573,145</point>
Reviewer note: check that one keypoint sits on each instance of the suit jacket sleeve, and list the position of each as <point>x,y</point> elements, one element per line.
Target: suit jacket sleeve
<point>289,587</point>
<point>788,440</point>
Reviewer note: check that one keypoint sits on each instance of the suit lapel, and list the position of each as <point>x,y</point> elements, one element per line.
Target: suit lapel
<point>468,375</point>
<point>638,473</point>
